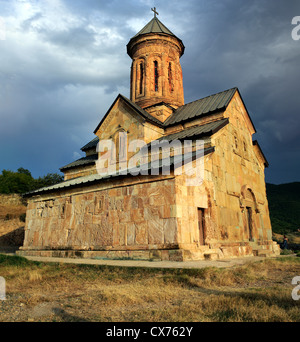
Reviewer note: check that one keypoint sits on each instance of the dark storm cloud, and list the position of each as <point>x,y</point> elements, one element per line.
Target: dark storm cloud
<point>64,62</point>
<point>75,38</point>
<point>250,46</point>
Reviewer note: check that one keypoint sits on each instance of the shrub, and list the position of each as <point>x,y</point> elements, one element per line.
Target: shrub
<point>15,260</point>
<point>286,252</point>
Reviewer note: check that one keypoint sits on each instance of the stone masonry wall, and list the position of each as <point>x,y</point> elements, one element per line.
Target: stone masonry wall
<point>238,181</point>
<point>137,217</point>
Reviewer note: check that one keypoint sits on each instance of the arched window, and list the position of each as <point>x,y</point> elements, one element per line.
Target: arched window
<point>141,78</point>
<point>236,144</point>
<point>119,151</point>
<point>170,78</point>
<point>155,76</point>
<point>245,151</point>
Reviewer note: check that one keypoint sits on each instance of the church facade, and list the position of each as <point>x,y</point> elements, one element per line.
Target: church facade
<point>204,199</point>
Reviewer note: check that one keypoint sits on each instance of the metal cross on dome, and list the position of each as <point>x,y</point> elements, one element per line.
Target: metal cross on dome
<point>154,10</point>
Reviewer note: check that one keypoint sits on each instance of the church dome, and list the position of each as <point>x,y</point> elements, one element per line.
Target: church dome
<point>156,74</point>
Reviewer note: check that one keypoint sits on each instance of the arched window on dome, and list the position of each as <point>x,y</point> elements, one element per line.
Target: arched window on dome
<point>155,75</point>
<point>170,78</point>
<point>141,86</point>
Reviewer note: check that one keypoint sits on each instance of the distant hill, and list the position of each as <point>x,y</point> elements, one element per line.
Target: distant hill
<point>284,206</point>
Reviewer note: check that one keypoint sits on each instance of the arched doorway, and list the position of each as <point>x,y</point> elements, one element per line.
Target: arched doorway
<point>249,202</point>
<point>249,209</point>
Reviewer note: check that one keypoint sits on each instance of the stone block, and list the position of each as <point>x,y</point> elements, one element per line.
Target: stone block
<point>155,231</point>
<point>170,230</point>
<point>141,233</point>
<point>131,229</point>
<point>137,215</point>
<point>176,255</point>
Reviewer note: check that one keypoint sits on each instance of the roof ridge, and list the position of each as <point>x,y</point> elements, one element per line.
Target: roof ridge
<point>146,116</point>
<point>208,124</point>
<point>152,21</point>
<point>203,98</point>
<point>163,27</point>
<point>142,111</point>
<point>86,145</point>
<point>80,162</point>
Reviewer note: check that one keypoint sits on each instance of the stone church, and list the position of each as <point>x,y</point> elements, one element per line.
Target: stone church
<point>159,215</point>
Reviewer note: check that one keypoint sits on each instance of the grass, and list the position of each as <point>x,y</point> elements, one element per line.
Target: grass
<point>257,292</point>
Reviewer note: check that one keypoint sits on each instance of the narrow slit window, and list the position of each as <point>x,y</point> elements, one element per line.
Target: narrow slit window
<point>141,78</point>
<point>155,76</point>
<point>170,77</point>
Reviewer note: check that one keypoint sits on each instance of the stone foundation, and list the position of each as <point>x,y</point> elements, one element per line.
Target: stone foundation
<point>152,255</point>
<point>233,250</point>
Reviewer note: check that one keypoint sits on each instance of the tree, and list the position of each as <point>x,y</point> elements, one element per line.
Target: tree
<point>22,181</point>
<point>48,180</point>
<point>24,171</point>
<point>15,182</point>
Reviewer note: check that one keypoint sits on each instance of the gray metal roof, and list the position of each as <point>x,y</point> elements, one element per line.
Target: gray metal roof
<point>207,129</point>
<point>63,185</point>
<point>190,111</point>
<point>92,144</point>
<point>154,26</point>
<point>156,165</point>
<point>197,131</point>
<point>207,105</point>
<point>81,162</point>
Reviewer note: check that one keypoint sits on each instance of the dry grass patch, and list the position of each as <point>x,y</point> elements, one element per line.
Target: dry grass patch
<point>12,224</point>
<point>8,211</point>
<point>259,291</point>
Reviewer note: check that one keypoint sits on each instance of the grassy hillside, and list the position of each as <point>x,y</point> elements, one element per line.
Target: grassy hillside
<point>284,206</point>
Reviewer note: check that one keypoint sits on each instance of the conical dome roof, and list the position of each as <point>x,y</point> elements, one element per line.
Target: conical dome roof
<point>155,26</point>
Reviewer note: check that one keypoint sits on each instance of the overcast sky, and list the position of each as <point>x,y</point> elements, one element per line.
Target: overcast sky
<point>63,63</point>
